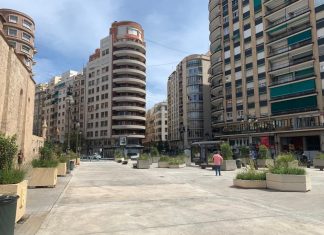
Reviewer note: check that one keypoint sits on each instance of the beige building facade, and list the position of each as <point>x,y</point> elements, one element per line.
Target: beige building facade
<point>266,73</point>
<point>115,84</point>
<point>189,102</point>
<point>19,29</point>
<point>17,93</point>
<point>156,124</point>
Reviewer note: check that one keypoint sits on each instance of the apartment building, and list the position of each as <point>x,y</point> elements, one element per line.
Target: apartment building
<point>266,73</point>
<point>189,102</point>
<point>19,30</point>
<point>156,124</point>
<point>40,97</point>
<point>115,85</point>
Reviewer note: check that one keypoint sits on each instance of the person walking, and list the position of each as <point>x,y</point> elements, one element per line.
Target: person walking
<point>218,160</point>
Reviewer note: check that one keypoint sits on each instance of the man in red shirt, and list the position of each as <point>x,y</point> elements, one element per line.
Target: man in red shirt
<point>218,160</point>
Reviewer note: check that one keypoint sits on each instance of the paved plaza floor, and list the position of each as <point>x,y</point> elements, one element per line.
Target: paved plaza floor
<point>110,198</point>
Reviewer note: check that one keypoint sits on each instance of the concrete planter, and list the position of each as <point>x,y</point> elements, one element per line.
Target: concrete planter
<point>43,177</point>
<point>177,165</point>
<point>228,165</point>
<point>155,159</point>
<point>265,162</point>
<point>295,183</point>
<point>61,169</point>
<point>163,164</point>
<point>143,164</point>
<point>250,183</point>
<point>318,163</point>
<point>119,160</point>
<point>19,189</point>
<point>78,161</point>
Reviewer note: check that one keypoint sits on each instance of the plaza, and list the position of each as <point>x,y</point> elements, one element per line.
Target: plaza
<point>105,197</point>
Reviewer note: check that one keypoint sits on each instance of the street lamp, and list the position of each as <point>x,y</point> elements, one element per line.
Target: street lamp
<point>70,102</point>
<point>77,126</point>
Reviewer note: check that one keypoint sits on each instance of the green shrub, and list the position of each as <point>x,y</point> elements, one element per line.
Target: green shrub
<point>288,171</point>
<point>154,152</point>
<point>47,152</point>
<point>8,150</point>
<point>226,151</point>
<point>263,151</point>
<point>12,176</point>
<point>144,156</point>
<point>283,159</point>
<point>164,159</point>
<point>62,159</point>
<point>176,161</point>
<point>320,156</point>
<point>39,163</point>
<point>251,175</point>
<point>245,151</point>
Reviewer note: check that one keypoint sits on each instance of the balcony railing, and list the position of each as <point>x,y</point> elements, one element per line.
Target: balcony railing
<point>290,15</point>
<point>289,31</point>
<point>286,48</point>
<point>291,63</point>
<point>286,3</point>
<point>290,77</point>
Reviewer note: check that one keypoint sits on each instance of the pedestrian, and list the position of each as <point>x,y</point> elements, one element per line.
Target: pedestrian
<point>20,158</point>
<point>218,160</point>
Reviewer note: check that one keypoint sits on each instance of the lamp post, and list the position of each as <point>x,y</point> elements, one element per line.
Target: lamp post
<point>77,126</point>
<point>70,102</point>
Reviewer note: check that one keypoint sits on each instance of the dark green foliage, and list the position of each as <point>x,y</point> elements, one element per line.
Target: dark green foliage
<point>263,151</point>
<point>226,151</point>
<point>154,152</point>
<point>144,156</point>
<point>164,159</point>
<point>288,171</point>
<point>39,163</point>
<point>12,176</point>
<point>320,156</point>
<point>8,150</point>
<point>251,175</point>
<point>245,151</point>
<point>176,161</point>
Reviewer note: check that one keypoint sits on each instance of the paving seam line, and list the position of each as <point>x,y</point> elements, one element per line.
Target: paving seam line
<point>56,201</point>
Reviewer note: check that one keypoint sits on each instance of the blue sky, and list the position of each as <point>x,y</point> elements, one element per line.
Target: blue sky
<point>68,31</point>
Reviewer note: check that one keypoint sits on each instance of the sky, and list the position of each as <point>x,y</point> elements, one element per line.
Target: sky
<point>68,31</point>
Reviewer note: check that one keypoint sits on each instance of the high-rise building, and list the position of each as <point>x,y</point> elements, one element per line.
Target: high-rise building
<point>19,30</point>
<point>40,97</point>
<point>156,124</point>
<point>189,102</point>
<point>115,86</point>
<point>266,64</point>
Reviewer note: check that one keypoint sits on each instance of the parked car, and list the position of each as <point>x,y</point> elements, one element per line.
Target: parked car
<point>133,156</point>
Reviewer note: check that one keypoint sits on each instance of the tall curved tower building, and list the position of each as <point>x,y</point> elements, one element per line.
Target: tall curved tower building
<point>19,29</point>
<point>116,90</point>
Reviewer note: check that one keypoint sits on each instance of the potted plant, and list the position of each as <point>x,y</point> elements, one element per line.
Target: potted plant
<point>284,178</point>
<point>228,163</point>
<point>250,178</point>
<point>11,179</point>
<point>318,161</point>
<point>177,162</point>
<point>264,159</point>
<point>245,154</point>
<point>44,173</point>
<point>286,160</point>
<point>118,156</point>
<point>163,162</point>
<point>143,162</point>
<point>62,166</point>
<point>155,155</point>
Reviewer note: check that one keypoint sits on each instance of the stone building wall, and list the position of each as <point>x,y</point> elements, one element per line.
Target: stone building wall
<point>17,94</point>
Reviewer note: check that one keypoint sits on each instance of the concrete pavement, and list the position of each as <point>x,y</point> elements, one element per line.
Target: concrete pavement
<point>110,198</point>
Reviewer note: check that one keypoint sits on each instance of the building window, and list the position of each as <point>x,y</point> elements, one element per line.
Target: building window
<point>26,36</point>
<point>27,24</point>
<point>25,49</point>
<point>13,19</point>
<point>13,44</point>
<point>12,32</point>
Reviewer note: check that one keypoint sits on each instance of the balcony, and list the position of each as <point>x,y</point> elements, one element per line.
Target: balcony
<point>129,70</point>
<point>128,108</point>
<point>129,80</point>
<point>129,52</point>
<point>128,117</point>
<point>287,48</point>
<point>283,64</point>
<point>286,30</point>
<point>126,43</point>
<point>304,104</point>
<point>294,76</point>
<point>272,6</point>
<point>132,62</point>
<point>129,98</point>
